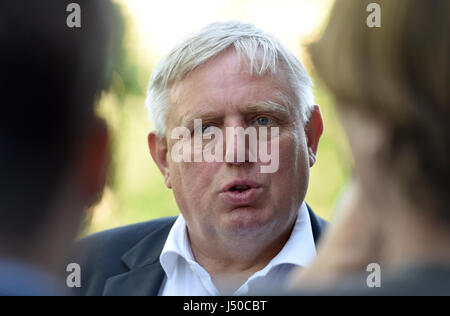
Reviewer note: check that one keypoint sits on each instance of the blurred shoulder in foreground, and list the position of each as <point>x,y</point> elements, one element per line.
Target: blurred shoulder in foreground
<point>54,150</point>
<point>391,85</point>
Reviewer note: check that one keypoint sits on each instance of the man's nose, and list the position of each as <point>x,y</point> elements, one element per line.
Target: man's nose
<point>238,149</point>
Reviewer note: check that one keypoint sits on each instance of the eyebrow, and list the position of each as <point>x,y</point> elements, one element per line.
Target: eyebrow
<point>267,106</point>
<point>261,106</point>
<point>203,115</point>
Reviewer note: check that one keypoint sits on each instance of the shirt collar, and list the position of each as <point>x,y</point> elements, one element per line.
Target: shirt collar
<point>177,247</point>
<point>299,250</point>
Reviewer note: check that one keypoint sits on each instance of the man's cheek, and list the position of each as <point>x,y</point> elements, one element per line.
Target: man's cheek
<point>192,175</point>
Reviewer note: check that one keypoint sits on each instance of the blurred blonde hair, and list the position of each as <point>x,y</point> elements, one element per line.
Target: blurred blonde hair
<point>399,74</point>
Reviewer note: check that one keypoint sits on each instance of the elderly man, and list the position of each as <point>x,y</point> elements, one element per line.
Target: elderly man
<point>241,226</point>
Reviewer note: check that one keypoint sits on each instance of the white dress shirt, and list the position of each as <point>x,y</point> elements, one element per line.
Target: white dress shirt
<point>184,276</point>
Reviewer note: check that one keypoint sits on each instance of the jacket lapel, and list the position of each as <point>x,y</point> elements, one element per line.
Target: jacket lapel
<point>146,274</point>
<point>318,225</point>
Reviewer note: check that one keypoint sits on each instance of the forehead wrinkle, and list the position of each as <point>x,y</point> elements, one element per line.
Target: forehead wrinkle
<point>176,91</point>
<point>201,114</point>
<point>258,106</point>
<point>262,106</point>
<point>278,99</point>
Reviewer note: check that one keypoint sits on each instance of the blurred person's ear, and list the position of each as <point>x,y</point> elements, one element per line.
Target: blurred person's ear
<point>313,130</point>
<point>159,150</point>
<point>94,160</point>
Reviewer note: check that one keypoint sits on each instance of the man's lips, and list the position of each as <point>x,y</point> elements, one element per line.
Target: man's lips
<point>241,192</point>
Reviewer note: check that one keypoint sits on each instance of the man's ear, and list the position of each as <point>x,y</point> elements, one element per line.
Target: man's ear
<point>313,130</point>
<point>158,149</point>
<point>94,160</point>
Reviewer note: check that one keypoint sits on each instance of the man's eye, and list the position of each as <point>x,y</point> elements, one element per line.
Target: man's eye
<point>263,120</point>
<point>205,128</point>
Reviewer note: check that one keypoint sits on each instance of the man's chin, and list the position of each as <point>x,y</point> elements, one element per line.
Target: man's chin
<point>244,220</point>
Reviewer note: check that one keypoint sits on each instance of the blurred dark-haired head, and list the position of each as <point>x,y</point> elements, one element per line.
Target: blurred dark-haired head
<point>395,77</point>
<point>51,76</point>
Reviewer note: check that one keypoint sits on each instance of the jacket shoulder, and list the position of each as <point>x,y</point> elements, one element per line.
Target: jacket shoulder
<point>124,236</point>
<point>99,255</point>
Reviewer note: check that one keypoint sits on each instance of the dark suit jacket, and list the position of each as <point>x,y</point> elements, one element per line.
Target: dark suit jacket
<point>125,260</point>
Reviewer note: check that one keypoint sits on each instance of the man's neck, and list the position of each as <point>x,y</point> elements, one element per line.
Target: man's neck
<point>230,264</point>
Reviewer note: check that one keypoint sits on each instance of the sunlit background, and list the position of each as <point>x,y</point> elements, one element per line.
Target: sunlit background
<point>135,190</point>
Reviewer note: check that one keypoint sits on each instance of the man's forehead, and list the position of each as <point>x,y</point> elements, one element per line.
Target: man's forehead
<point>266,106</point>
<point>210,85</point>
<point>227,66</point>
<point>278,101</point>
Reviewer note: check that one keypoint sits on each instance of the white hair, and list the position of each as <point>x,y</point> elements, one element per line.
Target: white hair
<point>210,42</point>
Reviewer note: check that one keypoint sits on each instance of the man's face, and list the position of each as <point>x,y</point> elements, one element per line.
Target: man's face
<point>224,96</point>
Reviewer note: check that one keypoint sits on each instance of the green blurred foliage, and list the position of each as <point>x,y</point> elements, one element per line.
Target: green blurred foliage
<point>332,170</point>
<point>136,192</point>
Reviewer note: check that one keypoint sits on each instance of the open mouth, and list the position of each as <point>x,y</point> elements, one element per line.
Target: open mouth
<point>241,192</point>
<point>239,188</point>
